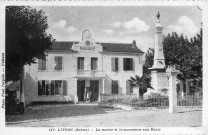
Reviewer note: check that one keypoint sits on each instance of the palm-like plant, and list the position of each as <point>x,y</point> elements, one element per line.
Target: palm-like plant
<point>142,83</point>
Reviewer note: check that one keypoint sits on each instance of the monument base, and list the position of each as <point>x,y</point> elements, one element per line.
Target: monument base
<point>160,84</point>
<point>159,80</point>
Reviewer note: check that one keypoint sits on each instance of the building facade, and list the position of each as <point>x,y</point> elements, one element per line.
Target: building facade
<point>71,68</point>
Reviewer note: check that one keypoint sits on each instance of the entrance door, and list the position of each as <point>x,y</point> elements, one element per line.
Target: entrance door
<point>94,88</point>
<point>80,89</point>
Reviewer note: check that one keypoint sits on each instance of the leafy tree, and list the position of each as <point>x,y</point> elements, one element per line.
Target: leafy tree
<point>149,59</point>
<point>26,38</point>
<point>142,83</point>
<point>184,54</point>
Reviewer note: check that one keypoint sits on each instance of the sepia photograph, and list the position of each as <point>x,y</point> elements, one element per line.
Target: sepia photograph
<point>103,66</point>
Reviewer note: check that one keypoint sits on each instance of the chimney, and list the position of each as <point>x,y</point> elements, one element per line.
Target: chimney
<point>134,44</point>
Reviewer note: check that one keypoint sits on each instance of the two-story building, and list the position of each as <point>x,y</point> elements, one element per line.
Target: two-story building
<point>72,67</point>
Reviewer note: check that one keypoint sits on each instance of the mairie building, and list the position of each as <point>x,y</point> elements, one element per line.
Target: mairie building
<point>72,67</point>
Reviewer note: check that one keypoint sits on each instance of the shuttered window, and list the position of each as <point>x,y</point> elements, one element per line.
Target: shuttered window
<point>58,63</point>
<point>41,64</point>
<point>80,63</point>
<point>43,87</point>
<point>94,63</point>
<point>129,87</point>
<point>58,89</point>
<point>55,87</point>
<point>114,87</point>
<point>114,64</point>
<point>128,64</point>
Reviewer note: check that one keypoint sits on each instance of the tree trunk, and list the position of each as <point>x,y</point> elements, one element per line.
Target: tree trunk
<point>22,98</point>
<point>140,95</point>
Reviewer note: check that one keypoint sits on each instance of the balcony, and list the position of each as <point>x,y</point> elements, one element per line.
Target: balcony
<point>90,73</point>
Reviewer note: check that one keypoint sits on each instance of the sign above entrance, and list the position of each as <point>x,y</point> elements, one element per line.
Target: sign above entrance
<point>89,48</point>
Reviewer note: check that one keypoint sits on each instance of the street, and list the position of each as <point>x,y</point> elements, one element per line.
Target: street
<point>90,115</point>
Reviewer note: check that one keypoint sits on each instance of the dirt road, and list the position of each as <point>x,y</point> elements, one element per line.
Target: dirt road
<point>94,116</point>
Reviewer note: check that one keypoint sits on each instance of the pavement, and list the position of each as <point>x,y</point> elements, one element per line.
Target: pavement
<point>91,115</point>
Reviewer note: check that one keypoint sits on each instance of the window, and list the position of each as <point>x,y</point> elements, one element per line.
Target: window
<point>43,87</point>
<point>41,64</point>
<point>114,87</point>
<point>55,87</point>
<point>94,63</point>
<point>129,87</point>
<point>128,64</point>
<point>80,63</point>
<point>114,64</point>
<point>58,63</point>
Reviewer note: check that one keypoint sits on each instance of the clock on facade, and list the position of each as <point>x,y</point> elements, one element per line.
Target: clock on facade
<point>87,42</point>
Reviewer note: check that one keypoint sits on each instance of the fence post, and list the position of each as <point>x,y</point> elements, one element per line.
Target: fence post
<point>172,73</point>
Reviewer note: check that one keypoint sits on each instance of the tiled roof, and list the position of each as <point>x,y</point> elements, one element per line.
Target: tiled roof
<point>120,47</point>
<point>64,46</point>
<point>107,47</point>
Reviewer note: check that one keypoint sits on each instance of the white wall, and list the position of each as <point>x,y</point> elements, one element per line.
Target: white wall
<point>120,75</point>
<point>32,75</point>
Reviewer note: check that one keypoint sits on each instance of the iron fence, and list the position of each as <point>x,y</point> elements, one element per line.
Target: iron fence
<point>190,100</point>
<point>151,102</point>
<point>163,102</point>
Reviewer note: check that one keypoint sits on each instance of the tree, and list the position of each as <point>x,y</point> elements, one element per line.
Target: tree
<point>184,54</point>
<point>149,59</point>
<point>26,38</point>
<point>142,83</point>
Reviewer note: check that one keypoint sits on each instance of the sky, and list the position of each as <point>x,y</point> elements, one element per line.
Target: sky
<point>121,24</point>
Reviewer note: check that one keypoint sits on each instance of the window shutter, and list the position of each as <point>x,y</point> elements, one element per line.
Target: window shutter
<point>56,63</point>
<point>131,87</point>
<point>92,64</point>
<point>39,64</point>
<point>82,64</point>
<point>39,88</point>
<point>116,64</point>
<point>112,87</point>
<point>96,60</point>
<point>52,87</point>
<point>44,64</point>
<point>124,64</point>
<point>116,86</point>
<point>65,88</point>
<point>127,87</point>
<point>43,87</point>
<point>59,63</point>
<point>47,87</point>
<point>113,64</point>
<point>132,64</point>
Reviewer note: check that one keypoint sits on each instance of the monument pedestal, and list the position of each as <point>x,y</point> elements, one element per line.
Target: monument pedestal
<point>159,80</point>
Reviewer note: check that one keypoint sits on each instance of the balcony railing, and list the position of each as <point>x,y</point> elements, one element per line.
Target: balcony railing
<point>90,73</point>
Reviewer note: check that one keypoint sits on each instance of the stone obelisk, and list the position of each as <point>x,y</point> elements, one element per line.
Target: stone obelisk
<point>158,74</point>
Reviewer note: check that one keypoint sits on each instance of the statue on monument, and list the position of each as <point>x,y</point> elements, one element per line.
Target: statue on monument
<point>158,15</point>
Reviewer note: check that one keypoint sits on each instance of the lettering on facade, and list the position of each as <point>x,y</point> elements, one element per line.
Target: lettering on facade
<point>87,48</point>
